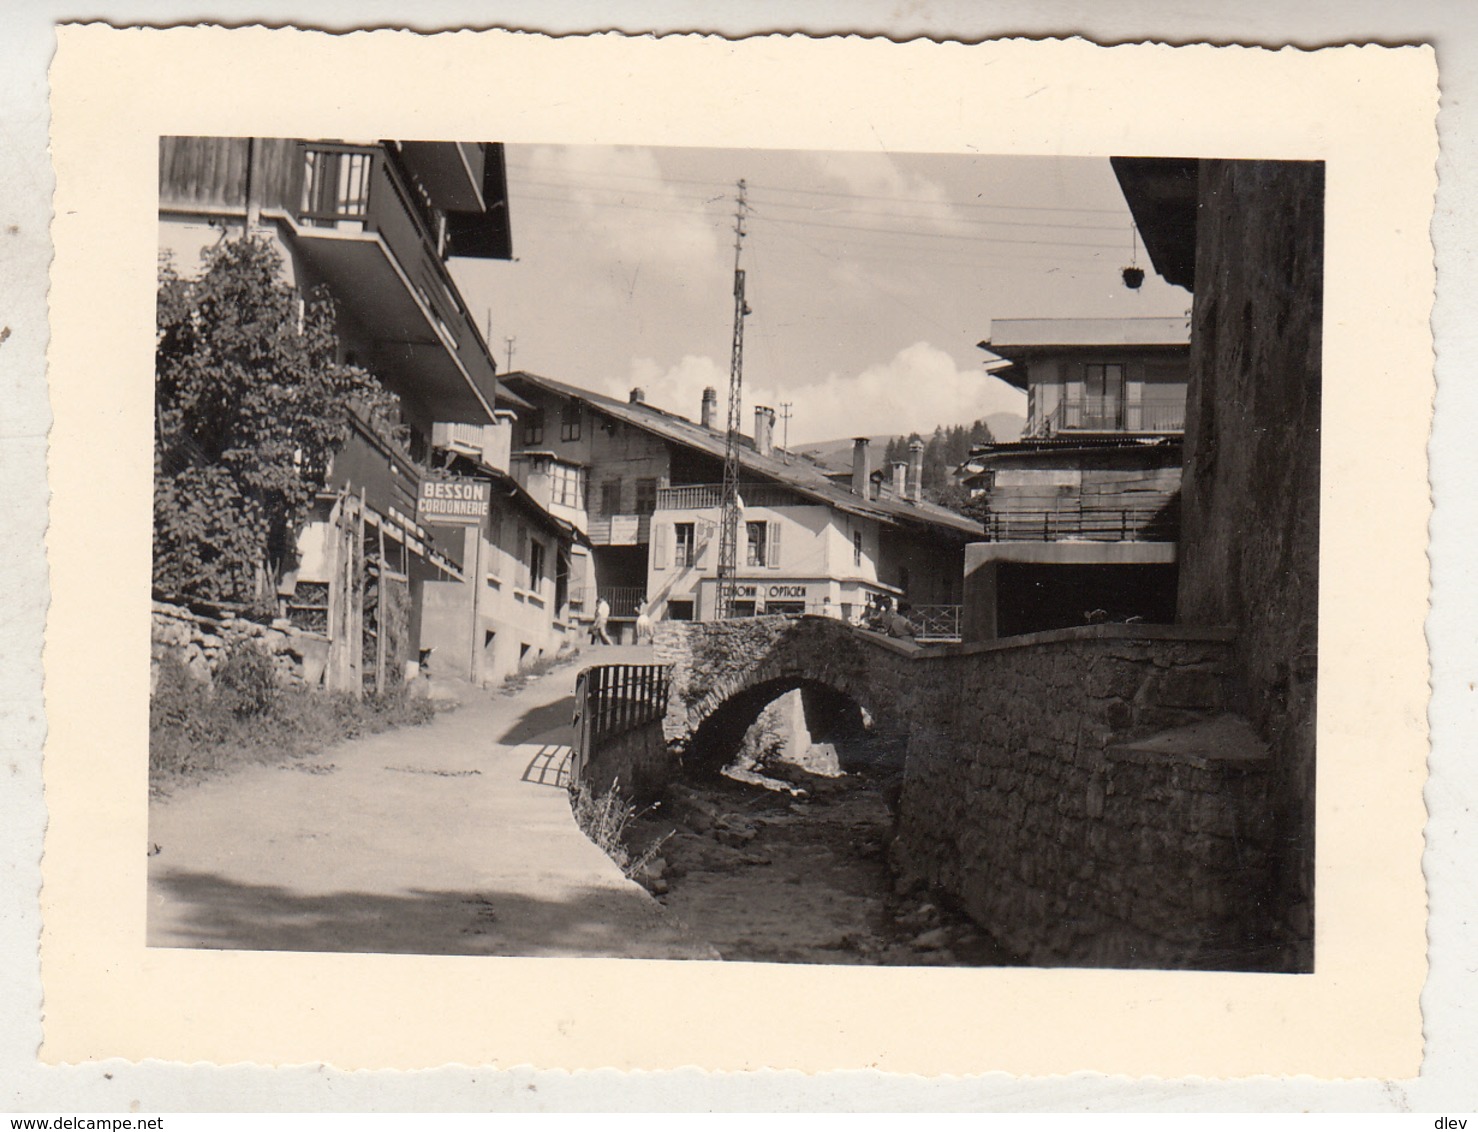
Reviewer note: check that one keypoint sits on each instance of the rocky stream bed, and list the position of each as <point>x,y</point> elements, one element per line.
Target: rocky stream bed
<point>792,867</point>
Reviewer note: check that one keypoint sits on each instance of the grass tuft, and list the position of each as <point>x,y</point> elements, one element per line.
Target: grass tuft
<point>196,731</point>
<point>605,818</point>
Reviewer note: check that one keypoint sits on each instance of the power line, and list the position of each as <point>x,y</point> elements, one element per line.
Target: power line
<point>934,235</point>
<point>695,207</point>
<point>664,180</point>
<point>881,230</point>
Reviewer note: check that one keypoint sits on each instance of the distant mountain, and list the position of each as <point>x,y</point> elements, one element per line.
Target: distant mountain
<point>1006,426</point>
<point>836,455</point>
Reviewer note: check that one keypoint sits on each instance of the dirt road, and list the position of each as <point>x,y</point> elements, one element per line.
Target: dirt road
<point>455,838</point>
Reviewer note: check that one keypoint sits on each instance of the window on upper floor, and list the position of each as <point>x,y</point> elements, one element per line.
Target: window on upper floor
<point>570,422</point>
<point>646,496</point>
<point>533,426</point>
<point>684,544</point>
<point>567,484</point>
<point>1103,397</point>
<point>610,497</point>
<point>536,564</point>
<point>754,537</point>
<point>856,548</point>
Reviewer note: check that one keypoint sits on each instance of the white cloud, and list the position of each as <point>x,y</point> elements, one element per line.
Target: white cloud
<point>886,196</point>
<point>919,387</point>
<point>620,202</point>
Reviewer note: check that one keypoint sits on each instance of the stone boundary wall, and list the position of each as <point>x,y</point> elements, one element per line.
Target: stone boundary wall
<point>1025,798</point>
<point>202,641</point>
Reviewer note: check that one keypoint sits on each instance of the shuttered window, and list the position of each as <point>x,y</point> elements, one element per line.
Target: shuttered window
<point>659,546</point>
<point>756,539</point>
<point>774,548</point>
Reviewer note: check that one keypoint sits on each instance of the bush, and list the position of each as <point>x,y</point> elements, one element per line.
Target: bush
<point>246,684</point>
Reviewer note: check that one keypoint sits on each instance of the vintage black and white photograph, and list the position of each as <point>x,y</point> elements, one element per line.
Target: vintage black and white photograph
<point>779,556</point>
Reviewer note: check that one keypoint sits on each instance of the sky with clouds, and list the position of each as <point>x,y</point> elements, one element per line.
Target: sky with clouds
<point>871,276</point>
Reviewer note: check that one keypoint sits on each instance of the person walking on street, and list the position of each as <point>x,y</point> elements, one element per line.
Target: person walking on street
<point>644,626</point>
<point>602,616</point>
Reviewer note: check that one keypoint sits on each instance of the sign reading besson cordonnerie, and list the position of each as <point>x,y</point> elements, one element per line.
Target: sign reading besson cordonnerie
<point>453,500</point>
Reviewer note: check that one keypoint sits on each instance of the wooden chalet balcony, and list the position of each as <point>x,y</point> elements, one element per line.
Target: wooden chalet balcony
<point>371,233</point>
<point>707,496</point>
<point>619,530</point>
<point>389,478</point>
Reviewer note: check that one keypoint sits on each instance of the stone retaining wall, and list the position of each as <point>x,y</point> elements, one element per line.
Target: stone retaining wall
<point>202,641</point>
<point>1025,798</point>
<point>636,761</point>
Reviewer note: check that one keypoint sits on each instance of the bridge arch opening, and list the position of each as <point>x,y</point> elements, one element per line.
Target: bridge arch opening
<point>800,721</point>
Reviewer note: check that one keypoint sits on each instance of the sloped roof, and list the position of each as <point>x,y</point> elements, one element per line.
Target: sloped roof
<point>466,465</point>
<point>799,474</point>
<point>1020,339</point>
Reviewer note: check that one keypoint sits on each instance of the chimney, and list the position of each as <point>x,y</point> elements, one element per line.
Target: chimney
<point>900,478</point>
<point>638,396</point>
<point>710,406</point>
<point>764,430</point>
<point>916,471</point>
<point>859,466</point>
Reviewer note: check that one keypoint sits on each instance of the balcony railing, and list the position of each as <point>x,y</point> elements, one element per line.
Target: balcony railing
<point>1130,524</point>
<point>707,496</point>
<point>361,189</point>
<point>623,600</point>
<point>619,530</point>
<point>1113,414</point>
<point>935,622</point>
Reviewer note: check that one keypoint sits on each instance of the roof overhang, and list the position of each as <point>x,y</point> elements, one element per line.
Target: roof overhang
<point>1162,193</point>
<point>452,172</point>
<point>486,232</point>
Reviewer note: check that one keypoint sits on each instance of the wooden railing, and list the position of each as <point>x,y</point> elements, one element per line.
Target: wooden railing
<point>611,699</point>
<point>706,496</point>
<point>631,530</point>
<point>1135,524</point>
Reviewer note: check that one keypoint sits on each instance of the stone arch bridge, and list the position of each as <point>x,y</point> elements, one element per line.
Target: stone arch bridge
<point>1089,796</point>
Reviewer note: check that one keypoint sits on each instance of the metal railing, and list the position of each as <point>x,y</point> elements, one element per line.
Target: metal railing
<point>1137,524</point>
<point>1113,414</point>
<point>611,699</point>
<point>623,600</point>
<point>706,496</point>
<point>934,622</point>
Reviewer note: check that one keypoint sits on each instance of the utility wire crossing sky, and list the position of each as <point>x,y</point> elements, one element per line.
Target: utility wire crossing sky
<point>871,276</point>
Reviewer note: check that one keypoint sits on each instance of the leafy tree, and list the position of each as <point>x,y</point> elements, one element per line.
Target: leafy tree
<point>250,404</point>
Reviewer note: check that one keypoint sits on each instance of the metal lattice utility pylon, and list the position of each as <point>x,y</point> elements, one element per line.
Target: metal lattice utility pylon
<point>728,539</point>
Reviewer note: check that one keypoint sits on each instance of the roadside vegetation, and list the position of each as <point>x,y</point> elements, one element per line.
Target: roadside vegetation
<point>244,717</point>
<point>606,819</point>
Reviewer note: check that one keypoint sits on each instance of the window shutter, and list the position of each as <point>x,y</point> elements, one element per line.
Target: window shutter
<point>659,545</point>
<point>772,538</point>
